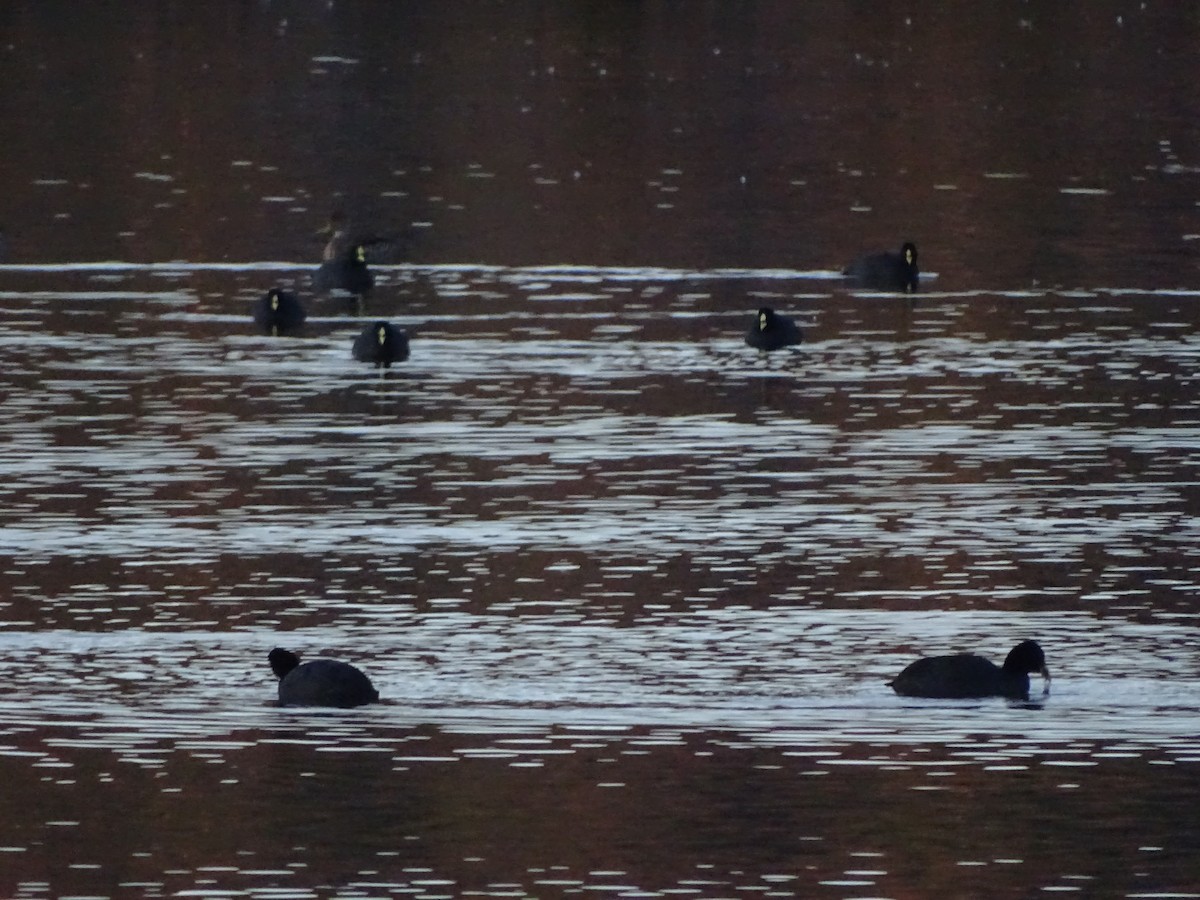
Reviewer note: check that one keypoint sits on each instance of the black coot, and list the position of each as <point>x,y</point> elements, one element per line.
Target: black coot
<point>772,331</point>
<point>886,271</point>
<point>347,272</point>
<point>322,682</point>
<point>278,312</point>
<point>966,675</point>
<point>381,343</point>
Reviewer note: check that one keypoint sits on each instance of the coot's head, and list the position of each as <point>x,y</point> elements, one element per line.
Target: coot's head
<point>766,316</point>
<point>282,661</point>
<point>1026,658</point>
<point>280,301</point>
<point>908,262</point>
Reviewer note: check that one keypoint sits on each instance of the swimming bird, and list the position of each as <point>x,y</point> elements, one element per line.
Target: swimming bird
<point>967,675</point>
<point>347,272</point>
<point>278,312</point>
<point>771,331</point>
<point>322,682</point>
<point>340,238</point>
<point>886,271</point>
<point>381,343</point>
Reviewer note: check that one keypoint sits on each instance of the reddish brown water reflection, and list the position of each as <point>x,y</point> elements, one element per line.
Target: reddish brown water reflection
<point>631,591</point>
<point>1017,146</point>
<point>697,817</point>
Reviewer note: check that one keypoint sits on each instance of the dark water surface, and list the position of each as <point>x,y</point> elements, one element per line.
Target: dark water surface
<point>630,590</point>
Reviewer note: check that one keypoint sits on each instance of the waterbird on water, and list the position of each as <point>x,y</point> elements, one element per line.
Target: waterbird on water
<point>347,272</point>
<point>321,682</point>
<point>965,675</point>
<point>886,271</point>
<point>772,331</point>
<point>278,312</point>
<point>347,254</point>
<point>381,343</point>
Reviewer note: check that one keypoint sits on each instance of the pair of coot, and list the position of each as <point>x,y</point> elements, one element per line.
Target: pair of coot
<point>329,682</point>
<point>343,268</point>
<point>380,343</point>
<point>879,271</point>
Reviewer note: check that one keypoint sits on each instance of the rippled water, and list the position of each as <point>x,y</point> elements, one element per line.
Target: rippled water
<point>584,525</point>
<point>630,591</point>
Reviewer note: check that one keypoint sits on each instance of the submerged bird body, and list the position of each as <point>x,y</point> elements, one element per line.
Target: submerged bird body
<point>381,343</point>
<point>772,331</point>
<point>322,682</point>
<point>965,675</point>
<point>278,312</point>
<point>886,271</point>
